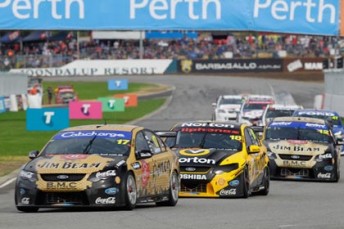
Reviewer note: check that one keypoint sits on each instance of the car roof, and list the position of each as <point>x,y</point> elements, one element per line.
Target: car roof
<point>232,96</point>
<point>299,119</point>
<point>283,107</point>
<point>117,127</point>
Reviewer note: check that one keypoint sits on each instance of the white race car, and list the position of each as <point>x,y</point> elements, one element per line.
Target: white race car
<point>252,109</point>
<point>227,107</point>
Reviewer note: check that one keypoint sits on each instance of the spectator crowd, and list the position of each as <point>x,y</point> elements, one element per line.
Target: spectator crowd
<point>206,46</point>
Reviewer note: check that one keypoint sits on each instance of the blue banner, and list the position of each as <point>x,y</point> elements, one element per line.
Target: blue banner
<point>287,16</point>
<point>114,85</point>
<point>171,35</point>
<point>2,104</point>
<point>47,119</point>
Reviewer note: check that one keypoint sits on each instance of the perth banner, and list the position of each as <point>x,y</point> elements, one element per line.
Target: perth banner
<point>288,16</point>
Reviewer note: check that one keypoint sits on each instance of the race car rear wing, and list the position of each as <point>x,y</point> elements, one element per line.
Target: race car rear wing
<point>165,134</point>
<point>169,137</point>
<point>257,129</point>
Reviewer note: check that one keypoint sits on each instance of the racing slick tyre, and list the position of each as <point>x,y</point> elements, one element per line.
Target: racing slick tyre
<point>337,173</point>
<point>265,182</point>
<point>173,191</point>
<point>246,184</point>
<point>130,191</point>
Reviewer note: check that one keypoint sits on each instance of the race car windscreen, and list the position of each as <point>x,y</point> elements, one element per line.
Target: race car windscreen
<point>207,140</point>
<point>225,101</point>
<point>278,113</point>
<point>333,119</point>
<point>298,133</point>
<point>254,106</point>
<point>107,143</point>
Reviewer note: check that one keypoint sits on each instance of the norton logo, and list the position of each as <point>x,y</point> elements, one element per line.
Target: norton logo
<point>191,152</point>
<point>186,66</point>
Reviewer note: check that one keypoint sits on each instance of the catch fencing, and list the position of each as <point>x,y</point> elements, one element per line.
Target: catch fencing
<point>334,90</point>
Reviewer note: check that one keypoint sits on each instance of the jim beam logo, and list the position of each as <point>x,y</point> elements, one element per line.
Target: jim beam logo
<point>186,66</point>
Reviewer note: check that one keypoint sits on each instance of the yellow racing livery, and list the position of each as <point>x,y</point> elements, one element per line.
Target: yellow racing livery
<point>219,159</point>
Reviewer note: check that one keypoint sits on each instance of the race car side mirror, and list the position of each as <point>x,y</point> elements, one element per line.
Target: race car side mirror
<point>143,154</point>
<point>33,154</point>
<point>253,149</point>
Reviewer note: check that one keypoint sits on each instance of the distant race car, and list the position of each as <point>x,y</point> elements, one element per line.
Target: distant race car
<point>99,166</point>
<point>302,148</point>
<point>278,110</point>
<point>329,115</point>
<point>64,94</point>
<point>252,109</point>
<point>219,159</point>
<point>227,107</point>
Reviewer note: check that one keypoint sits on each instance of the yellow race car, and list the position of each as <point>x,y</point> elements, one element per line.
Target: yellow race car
<point>99,166</point>
<point>219,159</point>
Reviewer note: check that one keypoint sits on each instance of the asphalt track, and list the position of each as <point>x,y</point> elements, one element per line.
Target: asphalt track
<point>296,205</point>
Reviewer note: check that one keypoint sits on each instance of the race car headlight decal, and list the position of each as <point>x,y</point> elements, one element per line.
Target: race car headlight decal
<point>226,168</point>
<point>30,176</point>
<point>322,157</point>
<point>103,175</point>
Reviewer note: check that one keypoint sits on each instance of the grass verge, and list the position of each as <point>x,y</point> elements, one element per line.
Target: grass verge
<point>17,142</point>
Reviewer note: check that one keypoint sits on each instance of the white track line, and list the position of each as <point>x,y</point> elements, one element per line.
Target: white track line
<point>8,182</point>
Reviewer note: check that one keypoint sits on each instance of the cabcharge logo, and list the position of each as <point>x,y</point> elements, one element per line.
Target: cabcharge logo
<point>73,134</point>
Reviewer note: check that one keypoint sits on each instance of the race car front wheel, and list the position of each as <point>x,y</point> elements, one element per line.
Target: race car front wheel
<point>173,191</point>
<point>246,184</point>
<point>337,173</point>
<point>130,192</point>
<point>27,209</point>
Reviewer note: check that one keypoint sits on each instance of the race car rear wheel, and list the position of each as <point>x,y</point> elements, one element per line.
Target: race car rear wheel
<point>265,183</point>
<point>173,191</point>
<point>130,191</point>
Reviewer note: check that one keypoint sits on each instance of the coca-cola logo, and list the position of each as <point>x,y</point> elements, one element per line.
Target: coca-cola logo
<point>109,173</point>
<point>110,200</point>
<point>230,192</point>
